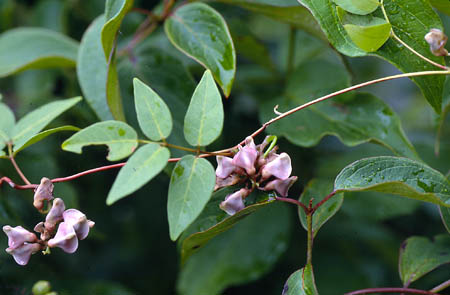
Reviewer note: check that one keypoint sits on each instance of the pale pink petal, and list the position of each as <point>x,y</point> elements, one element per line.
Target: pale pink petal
<point>22,254</point>
<point>18,235</point>
<point>281,185</point>
<point>55,214</point>
<point>279,167</point>
<point>43,192</point>
<point>65,238</point>
<point>79,222</point>
<point>224,166</point>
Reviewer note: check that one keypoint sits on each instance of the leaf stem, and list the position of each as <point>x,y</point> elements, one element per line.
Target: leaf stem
<point>16,186</point>
<point>292,201</point>
<point>441,287</point>
<point>390,290</point>
<point>13,161</point>
<point>310,234</point>
<point>323,201</point>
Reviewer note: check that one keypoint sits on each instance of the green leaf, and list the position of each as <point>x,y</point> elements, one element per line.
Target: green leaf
<point>142,166</point>
<point>442,5</point>
<point>301,282</point>
<point>398,176</point>
<point>120,138</point>
<point>191,185</point>
<point>115,11</point>
<point>201,33</point>
<point>33,48</point>
<point>354,118</point>
<point>7,122</point>
<point>410,20</point>
<point>153,114</point>
<point>367,32</point>
<point>204,118</point>
<point>28,126</point>
<point>361,7</point>
<point>92,69</point>
<point>445,216</point>
<point>40,136</point>
<point>113,97</point>
<point>242,254</point>
<point>419,256</point>
<point>318,189</point>
<point>212,222</point>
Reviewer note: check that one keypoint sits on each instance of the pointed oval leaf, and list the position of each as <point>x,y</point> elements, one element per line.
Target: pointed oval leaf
<point>35,48</point>
<point>191,185</point>
<point>142,166</point>
<point>361,7</point>
<point>399,176</point>
<point>7,121</point>
<point>318,189</point>
<point>301,282</point>
<point>113,97</point>
<point>419,256</point>
<point>242,254</point>
<point>34,122</point>
<point>204,118</point>
<point>445,216</point>
<point>120,138</point>
<point>201,33</point>
<point>214,221</point>
<point>41,135</point>
<point>92,69</point>
<point>442,5</point>
<point>153,114</point>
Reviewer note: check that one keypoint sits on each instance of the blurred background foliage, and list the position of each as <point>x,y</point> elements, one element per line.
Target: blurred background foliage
<point>129,251</point>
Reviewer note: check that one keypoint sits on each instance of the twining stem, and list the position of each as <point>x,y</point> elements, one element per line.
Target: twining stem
<point>441,287</point>
<point>13,161</point>
<point>391,290</point>
<point>292,201</point>
<point>310,233</point>
<point>323,201</point>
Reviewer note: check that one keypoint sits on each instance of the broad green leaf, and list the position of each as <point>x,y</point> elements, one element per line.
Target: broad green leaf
<point>419,256</point>
<point>242,254</point>
<point>115,11</point>
<point>3,142</point>
<point>442,5</point>
<point>361,7</point>
<point>142,166</point>
<point>92,69</point>
<point>442,117</point>
<point>201,33</point>
<point>214,221</point>
<point>204,118</point>
<point>7,122</point>
<point>398,176</point>
<point>287,11</point>
<point>445,216</point>
<point>120,138</point>
<point>191,185</point>
<point>153,114</point>
<point>354,118</point>
<point>318,189</point>
<point>33,48</point>
<point>113,97</point>
<point>410,20</point>
<point>40,136</point>
<point>301,282</point>
<point>28,126</point>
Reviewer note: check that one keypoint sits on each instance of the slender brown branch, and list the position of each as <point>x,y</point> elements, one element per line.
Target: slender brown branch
<point>441,287</point>
<point>391,290</point>
<point>310,233</point>
<point>13,161</point>
<point>98,169</point>
<point>323,201</point>
<point>292,201</point>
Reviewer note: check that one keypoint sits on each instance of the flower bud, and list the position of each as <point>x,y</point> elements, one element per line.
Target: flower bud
<point>55,215</point>
<point>281,186</point>
<point>246,156</point>
<point>17,236</point>
<point>65,238</point>
<point>437,40</point>
<point>43,192</point>
<point>79,222</point>
<point>45,234</point>
<point>23,253</point>
<point>224,166</point>
<point>234,202</point>
<point>41,288</point>
<point>279,167</point>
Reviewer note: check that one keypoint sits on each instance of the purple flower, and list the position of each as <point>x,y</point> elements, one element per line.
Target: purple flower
<point>280,167</point>
<point>246,156</point>
<point>17,236</point>
<point>224,166</point>
<point>79,222</point>
<point>281,185</point>
<point>55,214</point>
<point>437,40</point>
<point>234,202</point>
<point>230,180</point>
<point>23,253</point>
<point>65,238</point>
<point>43,192</point>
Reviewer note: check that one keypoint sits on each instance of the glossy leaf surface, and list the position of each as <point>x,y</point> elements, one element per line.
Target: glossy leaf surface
<point>445,216</point>
<point>191,185</point>
<point>35,48</point>
<point>419,256</point>
<point>204,118</point>
<point>399,176</point>
<point>153,114</point>
<point>142,166</point>
<point>32,123</point>
<point>442,5</point>
<point>318,189</point>
<point>120,138</point>
<point>7,121</point>
<point>201,32</point>
<point>361,7</point>
<point>301,282</point>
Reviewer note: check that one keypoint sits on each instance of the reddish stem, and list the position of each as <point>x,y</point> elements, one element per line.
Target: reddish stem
<point>391,290</point>
<point>292,201</point>
<point>323,201</point>
<point>16,186</point>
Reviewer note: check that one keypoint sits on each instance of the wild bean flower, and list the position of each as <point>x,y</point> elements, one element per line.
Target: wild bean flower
<point>437,40</point>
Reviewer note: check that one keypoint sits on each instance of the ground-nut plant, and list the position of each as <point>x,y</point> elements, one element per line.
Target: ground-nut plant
<point>194,131</point>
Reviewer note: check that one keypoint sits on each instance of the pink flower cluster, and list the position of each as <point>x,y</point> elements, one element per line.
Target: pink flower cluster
<point>250,165</point>
<point>72,226</point>
<point>437,40</point>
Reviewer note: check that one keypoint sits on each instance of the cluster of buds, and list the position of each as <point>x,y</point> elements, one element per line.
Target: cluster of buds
<point>437,40</point>
<point>72,226</point>
<point>251,166</point>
